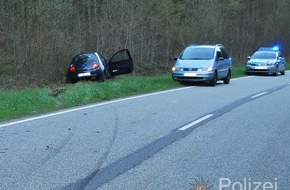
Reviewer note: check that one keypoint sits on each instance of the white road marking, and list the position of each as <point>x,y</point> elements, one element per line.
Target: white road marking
<point>192,124</point>
<point>240,78</point>
<point>260,94</point>
<point>89,106</point>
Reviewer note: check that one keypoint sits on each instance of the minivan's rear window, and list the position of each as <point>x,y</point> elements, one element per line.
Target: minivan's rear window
<point>197,53</point>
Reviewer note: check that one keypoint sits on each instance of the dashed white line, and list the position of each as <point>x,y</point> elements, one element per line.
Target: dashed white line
<point>260,94</point>
<point>192,124</point>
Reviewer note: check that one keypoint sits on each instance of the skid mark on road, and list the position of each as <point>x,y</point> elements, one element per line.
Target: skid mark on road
<point>228,108</point>
<point>81,184</point>
<point>113,170</point>
<point>55,149</point>
<point>104,175</point>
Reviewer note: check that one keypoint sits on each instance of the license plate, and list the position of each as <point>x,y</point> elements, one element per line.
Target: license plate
<point>260,67</point>
<point>189,74</point>
<point>84,74</point>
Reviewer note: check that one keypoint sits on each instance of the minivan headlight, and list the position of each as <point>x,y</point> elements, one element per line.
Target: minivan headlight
<point>176,69</point>
<point>206,69</point>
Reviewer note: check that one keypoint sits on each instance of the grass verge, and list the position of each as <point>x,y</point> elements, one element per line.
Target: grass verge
<point>25,102</point>
<point>19,103</point>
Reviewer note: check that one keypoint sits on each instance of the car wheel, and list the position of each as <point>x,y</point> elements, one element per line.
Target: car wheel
<point>70,81</point>
<point>228,78</point>
<point>102,78</point>
<point>107,74</point>
<point>276,72</point>
<point>283,72</point>
<point>186,83</point>
<point>213,80</point>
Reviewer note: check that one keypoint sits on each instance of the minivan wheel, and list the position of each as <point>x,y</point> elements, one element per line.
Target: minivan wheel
<point>213,80</point>
<point>228,78</point>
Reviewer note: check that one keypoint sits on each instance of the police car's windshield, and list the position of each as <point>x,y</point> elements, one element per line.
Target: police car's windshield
<point>264,55</point>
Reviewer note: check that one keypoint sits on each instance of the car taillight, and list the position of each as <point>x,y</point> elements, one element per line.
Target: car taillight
<point>96,65</point>
<point>72,69</point>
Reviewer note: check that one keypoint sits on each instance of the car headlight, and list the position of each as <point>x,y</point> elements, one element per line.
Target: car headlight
<point>206,69</point>
<point>176,69</point>
<point>271,63</point>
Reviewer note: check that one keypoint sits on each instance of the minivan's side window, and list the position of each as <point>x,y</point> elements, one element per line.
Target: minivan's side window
<point>225,53</point>
<point>219,54</point>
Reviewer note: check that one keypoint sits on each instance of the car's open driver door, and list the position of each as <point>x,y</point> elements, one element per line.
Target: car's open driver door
<point>121,63</point>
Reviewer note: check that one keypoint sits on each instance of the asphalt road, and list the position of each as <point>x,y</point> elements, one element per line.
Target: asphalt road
<point>234,136</point>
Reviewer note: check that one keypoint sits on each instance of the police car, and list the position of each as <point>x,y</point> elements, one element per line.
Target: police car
<point>267,60</point>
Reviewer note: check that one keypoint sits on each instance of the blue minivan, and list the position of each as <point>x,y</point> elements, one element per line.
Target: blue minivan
<point>204,63</point>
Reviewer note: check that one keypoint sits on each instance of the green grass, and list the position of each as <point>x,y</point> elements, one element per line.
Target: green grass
<point>19,103</point>
<point>287,67</point>
<point>25,102</point>
<point>238,71</point>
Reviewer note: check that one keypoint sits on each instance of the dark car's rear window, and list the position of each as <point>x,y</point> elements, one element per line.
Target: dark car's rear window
<point>84,57</point>
<point>192,53</point>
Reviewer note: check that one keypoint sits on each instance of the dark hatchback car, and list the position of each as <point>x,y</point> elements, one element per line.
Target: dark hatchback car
<point>93,66</point>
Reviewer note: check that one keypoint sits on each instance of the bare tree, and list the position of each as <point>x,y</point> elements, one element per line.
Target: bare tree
<point>38,38</point>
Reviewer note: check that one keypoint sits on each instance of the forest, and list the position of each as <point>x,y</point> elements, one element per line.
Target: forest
<point>38,38</point>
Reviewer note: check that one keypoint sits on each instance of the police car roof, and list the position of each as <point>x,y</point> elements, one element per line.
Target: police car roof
<point>275,48</point>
